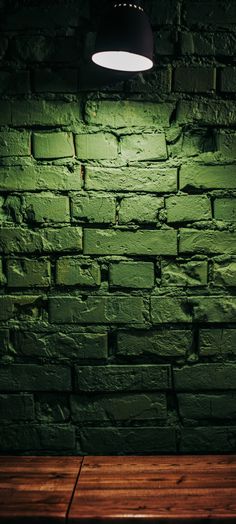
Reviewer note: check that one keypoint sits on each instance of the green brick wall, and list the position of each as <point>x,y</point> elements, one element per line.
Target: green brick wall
<point>117,234</point>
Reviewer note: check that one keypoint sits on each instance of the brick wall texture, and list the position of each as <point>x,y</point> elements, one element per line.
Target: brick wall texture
<point>117,234</point>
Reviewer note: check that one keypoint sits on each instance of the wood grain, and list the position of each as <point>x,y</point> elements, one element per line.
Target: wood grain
<point>36,489</point>
<point>167,489</point>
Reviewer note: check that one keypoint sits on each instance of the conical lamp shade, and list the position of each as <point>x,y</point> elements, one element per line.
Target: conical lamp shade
<point>124,41</point>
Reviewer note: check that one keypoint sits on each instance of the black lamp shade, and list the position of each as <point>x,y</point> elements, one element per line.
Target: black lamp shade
<point>124,41</point>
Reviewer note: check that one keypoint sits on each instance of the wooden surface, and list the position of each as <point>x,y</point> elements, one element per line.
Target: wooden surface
<point>163,489</point>
<point>36,489</point>
<point>77,490</point>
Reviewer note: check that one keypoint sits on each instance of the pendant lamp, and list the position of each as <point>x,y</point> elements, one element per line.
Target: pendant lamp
<point>124,41</point>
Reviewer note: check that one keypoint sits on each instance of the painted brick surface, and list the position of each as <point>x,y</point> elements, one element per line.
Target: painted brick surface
<point>41,177</point>
<point>44,207</point>
<point>136,275</point>
<point>152,180</point>
<point>14,143</point>
<point>96,309</point>
<point>163,343</point>
<point>62,344</point>
<point>225,209</point>
<point>207,177</point>
<point>141,209</point>
<point>28,273</point>
<point>118,242</point>
<point>93,208</point>
<point>188,208</point>
<point>143,147</point>
<point>96,146</point>
<point>217,341</point>
<point>226,144</point>
<point>193,241</point>
<point>117,378</point>
<point>189,79</point>
<point>117,234</point>
<point>187,273</point>
<point>205,377</point>
<point>23,240</point>
<point>125,408</point>
<point>224,274</point>
<point>52,145</point>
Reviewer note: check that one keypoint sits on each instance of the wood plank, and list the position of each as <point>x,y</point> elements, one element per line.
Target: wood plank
<point>36,489</point>
<point>165,489</point>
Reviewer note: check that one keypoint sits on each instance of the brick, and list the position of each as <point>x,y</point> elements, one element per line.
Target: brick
<point>149,440</point>
<point>126,408</point>
<point>207,242</point>
<point>56,438</point>
<point>196,79</point>
<point>43,17</point>
<point>14,143</point>
<point>96,309</point>
<point>16,407</point>
<point>143,147</point>
<point>225,209</point>
<point>59,81</point>
<point>52,407</point>
<point>62,344</point>
<point>77,271</point>
<point>219,14</point>
<point>44,48</point>
<point>208,43</point>
<point>207,112</point>
<point>188,208</point>
<point>46,207</point>
<point>3,45</point>
<point>207,406</point>
<point>25,272</point>
<point>14,83</point>
<point>228,80</point>
<point>118,114</point>
<point>5,113</point>
<point>166,343</point>
<point>195,141</point>
<point>140,209</point>
<point>33,377</point>
<point>186,273</point>
<point>96,146</point>
<point>159,78</point>
<point>2,275</point>
<point>224,274</point>
<point>53,145</point>
<point>217,342</point>
<point>136,275</point>
<point>207,177</point>
<point>43,112</point>
<point>151,180</point>
<point>120,378</point>
<point>208,439</point>
<point>50,240</point>
<point>29,306</point>
<point>27,178</point>
<point>197,43</point>
<point>193,309</point>
<point>33,438</point>
<point>164,42</point>
<point>118,242</point>
<point>165,13</point>
<point>205,377</point>
<point>226,144</point>
<point>4,342</point>
<point>94,208</point>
